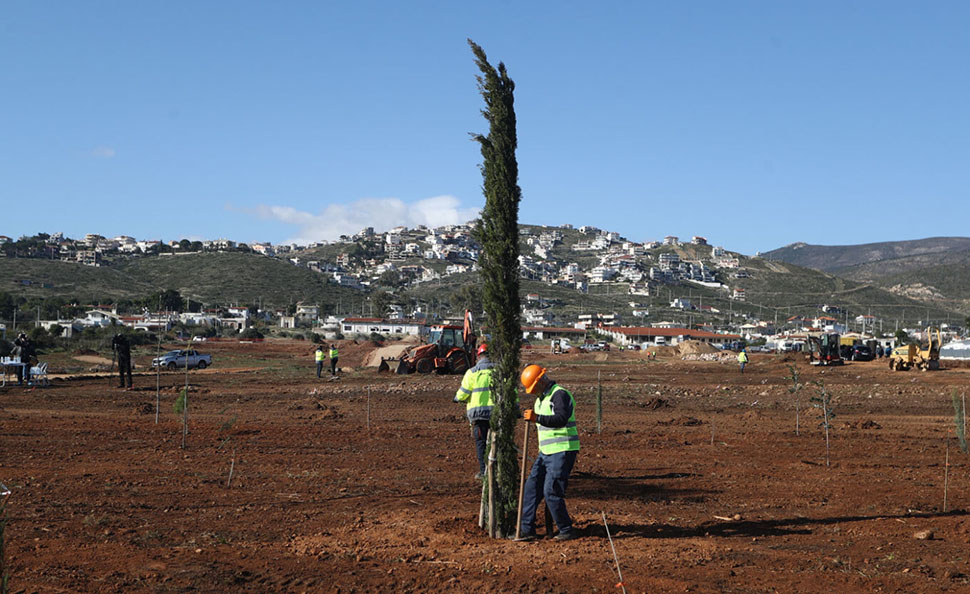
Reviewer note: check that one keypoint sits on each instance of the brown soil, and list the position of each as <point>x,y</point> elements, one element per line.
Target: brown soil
<point>105,500</point>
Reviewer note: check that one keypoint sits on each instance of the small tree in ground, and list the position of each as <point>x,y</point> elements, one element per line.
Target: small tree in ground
<point>794,389</point>
<point>823,401</point>
<point>959,419</point>
<point>181,407</point>
<point>499,262</point>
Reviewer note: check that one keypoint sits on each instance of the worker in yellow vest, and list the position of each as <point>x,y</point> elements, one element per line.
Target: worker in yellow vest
<point>742,359</point>
<point>318,357</point>
<point>554,414</point>
<point>476,392</point>
<point>333,359</point>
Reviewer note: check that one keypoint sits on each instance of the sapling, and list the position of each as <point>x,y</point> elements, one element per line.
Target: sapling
<point>599,404</point>
<point>794,389</point>
<point>946,470</point>
<point>824,402</point>
<point>181,407</point>
<point>959,420</point>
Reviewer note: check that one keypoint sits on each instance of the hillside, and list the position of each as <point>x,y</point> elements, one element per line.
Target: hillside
<point>774,290</point>
<point>52,278</point>
<point>833,258</point>
<point>235,277</point>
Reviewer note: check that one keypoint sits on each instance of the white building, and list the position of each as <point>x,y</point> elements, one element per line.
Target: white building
<point>368,326</point>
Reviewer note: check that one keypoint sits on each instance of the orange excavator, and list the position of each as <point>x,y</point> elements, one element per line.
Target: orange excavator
<point>449,349</point>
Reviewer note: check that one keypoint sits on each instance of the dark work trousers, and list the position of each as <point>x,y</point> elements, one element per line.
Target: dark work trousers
<point>319,367</point>
<point>480,433</point>
<point>333,366</point>
<point>124,366</point>
<point>550,472</point>
<point>23,373</point>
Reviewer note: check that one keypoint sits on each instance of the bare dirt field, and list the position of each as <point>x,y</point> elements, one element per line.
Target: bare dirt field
<point>705,484</point>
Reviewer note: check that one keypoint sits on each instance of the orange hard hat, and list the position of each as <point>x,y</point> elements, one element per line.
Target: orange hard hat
<point>530,377</point>
<point>481,349</point>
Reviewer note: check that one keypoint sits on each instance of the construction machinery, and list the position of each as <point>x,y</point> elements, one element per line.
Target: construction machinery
<point>825,349</point>
<point>924,356</point>
<point>450,349</point>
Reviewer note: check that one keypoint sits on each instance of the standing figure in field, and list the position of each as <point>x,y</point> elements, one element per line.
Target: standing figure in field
<point>742,359</point>
<point>333,359</point>
<point>554,414</point>
<point>25,347</point>
<point>122,349</point>
<point>476,392</point>
<point>318,358</point>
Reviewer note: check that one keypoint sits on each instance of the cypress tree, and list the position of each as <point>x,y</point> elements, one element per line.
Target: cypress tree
<point>499,264</point>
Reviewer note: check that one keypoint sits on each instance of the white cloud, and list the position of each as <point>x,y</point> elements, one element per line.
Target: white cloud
<point>103,152</point>
<point>380,213</point>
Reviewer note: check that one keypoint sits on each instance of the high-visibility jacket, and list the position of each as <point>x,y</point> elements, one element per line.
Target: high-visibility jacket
<point>559,439</point>
<point>319,355</point>
<point>476,391</point>
<point>333,353</point>
<point>742,357</point>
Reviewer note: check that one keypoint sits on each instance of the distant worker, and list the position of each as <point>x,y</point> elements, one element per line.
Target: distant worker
<point>879,352</point>
<point>25,348</point>
<point>122,349</point>
<point>333,359</point>
<point>476,392</point>
<point>318,356</point>
<point>742,359</point>
<point>554,414</point>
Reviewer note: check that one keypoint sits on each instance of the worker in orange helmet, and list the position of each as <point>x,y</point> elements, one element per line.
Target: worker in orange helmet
<point>476,392</point>
<point>554,414</point>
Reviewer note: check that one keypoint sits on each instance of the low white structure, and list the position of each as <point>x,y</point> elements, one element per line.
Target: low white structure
<point>382,326</point>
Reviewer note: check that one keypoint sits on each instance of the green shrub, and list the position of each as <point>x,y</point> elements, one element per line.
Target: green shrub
<point>251,333</point>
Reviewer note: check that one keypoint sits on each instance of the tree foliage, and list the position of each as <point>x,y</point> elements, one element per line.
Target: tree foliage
<point>499,264</point>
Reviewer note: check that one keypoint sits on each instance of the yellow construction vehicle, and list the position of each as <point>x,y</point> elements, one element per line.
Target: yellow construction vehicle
<point>921,356</point>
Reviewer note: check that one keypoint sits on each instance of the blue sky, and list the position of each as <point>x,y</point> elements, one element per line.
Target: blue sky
<point>755,124</point>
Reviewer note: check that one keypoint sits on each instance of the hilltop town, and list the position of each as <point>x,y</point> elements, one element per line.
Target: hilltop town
<point>634,294</point>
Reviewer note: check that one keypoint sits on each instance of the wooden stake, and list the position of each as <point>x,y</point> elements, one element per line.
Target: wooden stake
<point>525,451</point>
<point>491,485</point>
<point>619,574</point>
<point>946,471</point>
<point>232,466</point>
<point>481,508</point>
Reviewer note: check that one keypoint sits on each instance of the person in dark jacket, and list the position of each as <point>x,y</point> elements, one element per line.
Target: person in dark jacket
<point>122,349</point>
<point>26,348</point>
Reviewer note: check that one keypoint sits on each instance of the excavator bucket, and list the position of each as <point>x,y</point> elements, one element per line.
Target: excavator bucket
<point>383,367</point>
<point>402,367</point>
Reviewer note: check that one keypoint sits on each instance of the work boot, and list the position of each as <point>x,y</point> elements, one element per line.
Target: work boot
<point>526,538</point>
<point>571,535</point>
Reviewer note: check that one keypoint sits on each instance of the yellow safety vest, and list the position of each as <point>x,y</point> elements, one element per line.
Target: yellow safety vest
<point>333,353</point>
<point>319,355</point>
<point>476,392</point>
<point>559,439</point>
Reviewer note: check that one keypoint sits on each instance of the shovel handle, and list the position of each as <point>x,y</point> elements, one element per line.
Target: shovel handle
<point>525,452</point>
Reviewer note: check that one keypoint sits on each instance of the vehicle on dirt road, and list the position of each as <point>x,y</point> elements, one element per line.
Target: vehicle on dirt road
<point>825,349</point>
<point>450,349</point>
<point>177,360</point>
<point>859,352</point>
<point>924,356</point>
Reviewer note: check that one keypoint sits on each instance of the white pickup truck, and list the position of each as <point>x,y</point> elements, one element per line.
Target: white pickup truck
<point>177,359</point>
